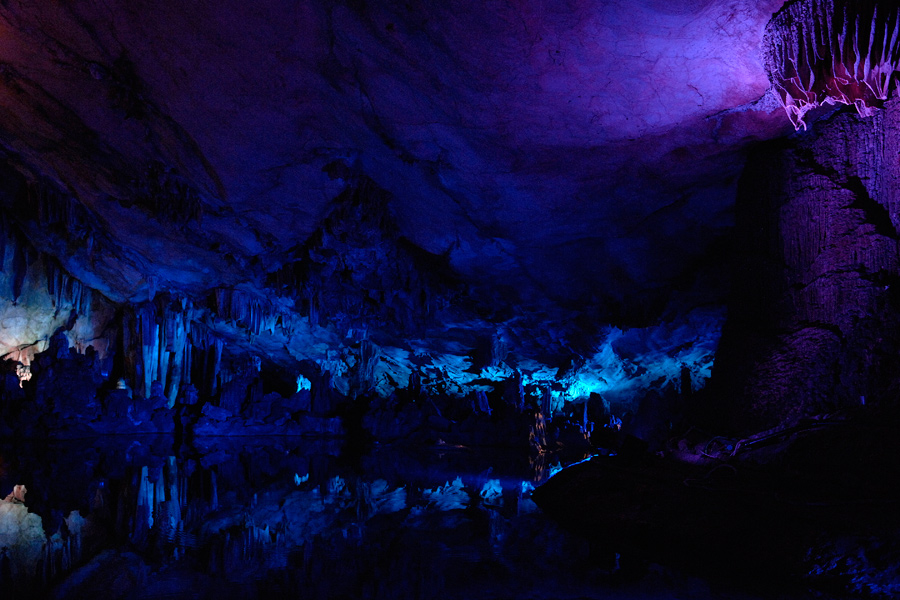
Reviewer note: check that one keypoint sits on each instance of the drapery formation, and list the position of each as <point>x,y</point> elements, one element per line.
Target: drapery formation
<point>826,51</point>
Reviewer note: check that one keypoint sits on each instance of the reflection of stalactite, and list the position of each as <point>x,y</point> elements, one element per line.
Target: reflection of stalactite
<point>547,403</point>
<point>168,521</point>
<point>29,559</point>
<point>150,493</point>
<point>826,51</point>
<point>164,506</point>
<point>537,438</point>
<point>482,403</point>
<point>62,550</point>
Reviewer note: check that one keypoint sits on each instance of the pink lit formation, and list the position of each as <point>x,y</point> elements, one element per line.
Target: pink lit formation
<point>827,51</point>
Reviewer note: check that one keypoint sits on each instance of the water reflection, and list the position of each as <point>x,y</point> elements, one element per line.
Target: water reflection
<point>281,518</point>
<point>240,517</point>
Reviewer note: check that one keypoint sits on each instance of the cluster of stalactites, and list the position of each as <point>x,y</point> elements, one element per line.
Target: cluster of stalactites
<point>826,51</point>
<point>161,332</point>
<point>65,290</point>
<point>254,314</point>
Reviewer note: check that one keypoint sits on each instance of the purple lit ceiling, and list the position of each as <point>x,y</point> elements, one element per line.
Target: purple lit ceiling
<point>564,162</point>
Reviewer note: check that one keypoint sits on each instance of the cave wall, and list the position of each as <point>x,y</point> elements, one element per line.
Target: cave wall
<point>356,307</point>
<point>38,297</point>
<point>813,322</point>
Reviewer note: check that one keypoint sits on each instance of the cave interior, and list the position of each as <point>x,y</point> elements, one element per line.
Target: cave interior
<point>450,299</point>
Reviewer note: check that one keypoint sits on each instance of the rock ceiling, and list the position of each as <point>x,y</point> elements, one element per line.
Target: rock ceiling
<point>569,163</point>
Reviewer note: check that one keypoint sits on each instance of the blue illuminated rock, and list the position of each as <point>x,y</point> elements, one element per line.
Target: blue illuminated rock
<point>412,190</point>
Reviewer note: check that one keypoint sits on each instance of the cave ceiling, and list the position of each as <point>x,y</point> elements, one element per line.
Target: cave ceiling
<point>539,162</point>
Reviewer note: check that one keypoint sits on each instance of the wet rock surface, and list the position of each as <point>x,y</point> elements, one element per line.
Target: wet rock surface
<point>810,506</point>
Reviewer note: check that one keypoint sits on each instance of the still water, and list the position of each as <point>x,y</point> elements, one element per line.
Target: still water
<point>251,518</point>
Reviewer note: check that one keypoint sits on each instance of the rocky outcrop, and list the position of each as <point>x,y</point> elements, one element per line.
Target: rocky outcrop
<point>813,324</point>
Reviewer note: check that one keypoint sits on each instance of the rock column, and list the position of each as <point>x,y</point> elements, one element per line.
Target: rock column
<point>814,322</point>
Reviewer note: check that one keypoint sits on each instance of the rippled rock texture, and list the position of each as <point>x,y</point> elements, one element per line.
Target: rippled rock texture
<point>814,320</point>
<point>833,51</point>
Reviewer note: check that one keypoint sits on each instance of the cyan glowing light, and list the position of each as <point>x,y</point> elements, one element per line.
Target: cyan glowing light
<point>492,493</point>
<point>625,365</point>
<point>630,362</point>
<point>303,383</point>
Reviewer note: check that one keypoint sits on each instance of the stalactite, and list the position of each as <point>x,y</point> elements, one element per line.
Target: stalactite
<point>127,361</point>
<point>168,196</point>
<point>161,340</point>
<point>368,362</point>
<point>203,359</point>
<point>148,329</point>
<point>20,264</point>
<point>5,238</point>
<point>287,324</point>
<point>60,212</point>
<point>357,271</point>
<point>177,327</point>
<point>827,51</point>
<point>499,350</point>
<point>246,310</point>
<point>219,346</point>
<point>65,291</point>
<point>313,310</point>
